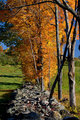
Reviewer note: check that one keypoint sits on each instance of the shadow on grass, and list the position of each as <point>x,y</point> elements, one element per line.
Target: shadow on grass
<point>7,83</point>
<point>6,98</point>
<point>10,76</point>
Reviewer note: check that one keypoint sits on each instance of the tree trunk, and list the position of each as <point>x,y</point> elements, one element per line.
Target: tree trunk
<point>62,63</point>
<point>34,60</point>
<point>49,70</point>
<point>70,62</point>
<point>58,52</point>
<point>71,66</point>
<point>79,20</point>
<point>40,57</point>
<point>40,66</point>
<point>71,73</point>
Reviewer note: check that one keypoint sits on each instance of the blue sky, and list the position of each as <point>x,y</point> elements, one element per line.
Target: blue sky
<point>3,0</point>
<point>4,46</point>
<point>77,52</point>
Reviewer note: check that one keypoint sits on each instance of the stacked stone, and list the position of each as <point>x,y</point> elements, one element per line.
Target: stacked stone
<point>31,103</point>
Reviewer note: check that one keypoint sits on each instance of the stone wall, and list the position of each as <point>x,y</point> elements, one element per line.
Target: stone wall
<point>30,103</point>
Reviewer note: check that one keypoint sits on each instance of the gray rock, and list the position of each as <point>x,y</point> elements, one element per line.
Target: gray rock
<point>64,113</point>
<point>57,115</point>
<point>31,103</point>
<point>19,92</point>
<point>47,93</point>
<point>60,107</point>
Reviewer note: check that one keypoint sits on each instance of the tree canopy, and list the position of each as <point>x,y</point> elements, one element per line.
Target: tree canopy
<point>39,25</point>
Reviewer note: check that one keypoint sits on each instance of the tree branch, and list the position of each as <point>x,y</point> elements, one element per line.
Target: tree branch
<point>64,57</point>
<point>67,7</point>
<point>74,39</point>
<point>54,1</point>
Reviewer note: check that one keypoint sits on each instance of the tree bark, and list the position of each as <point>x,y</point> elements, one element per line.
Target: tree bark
<point>34,60</point>
<point>62,63</point>
<point>58,53</point>
<point>79,16</point>
<point>71,73</point>
<point>40,57</point>
<point>49,70</point>
<point>71,67</point>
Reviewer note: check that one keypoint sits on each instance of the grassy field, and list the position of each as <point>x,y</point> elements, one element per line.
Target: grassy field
<point>77,79</point>
<point>65,86</point>
<point>10,78</point>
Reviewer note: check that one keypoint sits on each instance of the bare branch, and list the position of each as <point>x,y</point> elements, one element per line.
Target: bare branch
<point>74,39</point>
<point>64,57</point>
<point>66,7</point>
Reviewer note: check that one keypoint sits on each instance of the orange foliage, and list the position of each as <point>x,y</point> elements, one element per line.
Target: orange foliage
<point>36,26</point>
<point>1,49</point>
<point>29,22</point>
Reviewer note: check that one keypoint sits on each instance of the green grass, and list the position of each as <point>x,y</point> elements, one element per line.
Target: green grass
<point>10,78</point>
<point>65,81</point>
<point>65,85</point>
<point>77,78</point>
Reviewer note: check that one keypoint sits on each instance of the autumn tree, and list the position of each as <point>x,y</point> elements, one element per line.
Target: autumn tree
<point>71,57</point>
<point>65,5</point>
<point>37,33</point>
<point>1,49</point>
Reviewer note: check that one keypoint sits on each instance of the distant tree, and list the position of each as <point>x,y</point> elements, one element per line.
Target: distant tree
<point>7,36</point>
<point>21,7</point>
<point>1,49</point>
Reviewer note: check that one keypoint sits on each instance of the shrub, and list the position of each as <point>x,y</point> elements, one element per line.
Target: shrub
<point>77,63</point>
<point>10,60</point>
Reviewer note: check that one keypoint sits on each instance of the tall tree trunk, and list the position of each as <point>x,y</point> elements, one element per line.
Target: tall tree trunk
<point>79,20</point>
<point>34,60</point>
<point>71,73</point>
<point>58,52</point>
<point>62,63</point>
<point>40,57</point>
<point>69,60</point>
<point>49,70</point>
<point>71,66</point>
<point>40,66</point>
